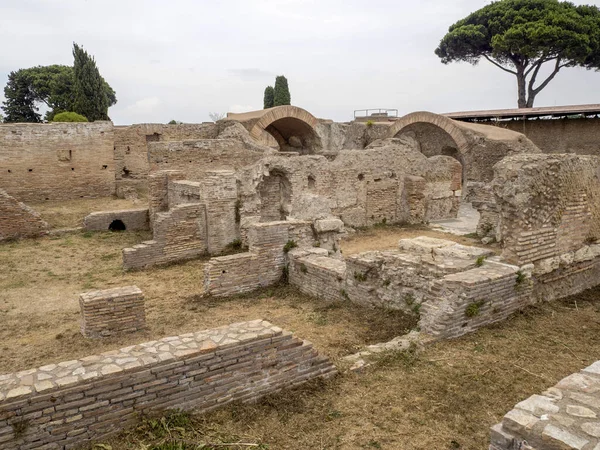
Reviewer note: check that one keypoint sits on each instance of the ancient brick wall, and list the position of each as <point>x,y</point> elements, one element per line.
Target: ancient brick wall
<point>262,265</point>
<point>57,161</point>
<point>81,401</point>
<point>564,417</point>
<point>548,205</point>
<point>363,187</point>
<point>198,156</point>
<point>131,219</point>
<point>17,220</point>
<point>462,302</point>
<point>179,235</point>
<point>313,272</point>
<point>131,150</point>
<point>580,136</point>
<point>112,311</point>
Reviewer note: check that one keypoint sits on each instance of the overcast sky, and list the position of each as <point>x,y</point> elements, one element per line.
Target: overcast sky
<point>181,59</point>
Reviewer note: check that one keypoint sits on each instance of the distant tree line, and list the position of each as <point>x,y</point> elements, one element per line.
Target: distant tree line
<point>78,89</point>
<point>278,95</point>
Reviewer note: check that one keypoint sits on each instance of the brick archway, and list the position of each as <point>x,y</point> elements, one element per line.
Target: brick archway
<point>441,122</point>
<point>292,127</point>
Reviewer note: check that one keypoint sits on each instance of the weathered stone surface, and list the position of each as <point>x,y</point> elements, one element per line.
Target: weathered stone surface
<point>17,220</point>
<point>555,420</point>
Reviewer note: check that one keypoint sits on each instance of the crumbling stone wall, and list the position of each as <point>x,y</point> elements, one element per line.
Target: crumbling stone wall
<point>563,417</point>
<point>131,149</point>
<point>549,215</point>
<point>57,161</point>
<point>363,187</point>
<point>77,402</point>
<point>455,289</point>
<point>17,220</point>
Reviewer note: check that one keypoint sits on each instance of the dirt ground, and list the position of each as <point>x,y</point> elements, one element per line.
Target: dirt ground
<point>444,398</point>
<point>387,237</point>
<point>70,213</point>
<point>41,279</point>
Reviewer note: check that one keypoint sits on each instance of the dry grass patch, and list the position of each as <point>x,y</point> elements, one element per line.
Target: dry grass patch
<point>446,398</point>
<point>40,283</point>
<point>70,213</point>
<point>386,237</point>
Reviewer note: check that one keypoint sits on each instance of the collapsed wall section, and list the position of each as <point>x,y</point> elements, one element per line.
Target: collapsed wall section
<point>57,161</point>
<point>76,402</point>
<point>17,220</point>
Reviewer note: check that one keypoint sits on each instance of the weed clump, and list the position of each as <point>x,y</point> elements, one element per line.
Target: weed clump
<point>289,245</point>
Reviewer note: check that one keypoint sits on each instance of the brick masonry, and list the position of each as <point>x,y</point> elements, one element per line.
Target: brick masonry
<point>566,416</point>
<point>112,311</point>
<point>57,161</point>
<point>75,402</point>
<point>262,265</point>
<point>17,220</point>
<point>132,219</point>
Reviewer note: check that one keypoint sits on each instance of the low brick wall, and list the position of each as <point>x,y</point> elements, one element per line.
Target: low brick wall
<point>462,302</point>
<point>564,417</point>
<point>17,220</point>
<point>262,265</point>
<point>179,235</point>
<point>112,311</point>
<point>76,402</point>
<point>133,219</point>
<point>315,274</point>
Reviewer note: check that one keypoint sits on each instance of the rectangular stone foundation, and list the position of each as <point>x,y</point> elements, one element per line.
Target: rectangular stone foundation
<point>111,311</point>
<point>73,403</point>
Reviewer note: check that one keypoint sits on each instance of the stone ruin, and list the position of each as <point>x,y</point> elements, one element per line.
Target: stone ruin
<point>283,188</point>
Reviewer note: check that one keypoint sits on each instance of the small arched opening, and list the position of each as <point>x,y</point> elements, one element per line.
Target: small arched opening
<point>275,194</point>
<point>432,141</point>
<point>294,135</point>
<point>117,225</point>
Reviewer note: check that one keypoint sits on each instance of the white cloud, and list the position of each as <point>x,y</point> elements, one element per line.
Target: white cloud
<point>145,106</point>
<point>184,58</point>
<point>241,108</point>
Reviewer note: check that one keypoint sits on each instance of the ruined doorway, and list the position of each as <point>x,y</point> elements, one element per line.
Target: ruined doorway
<point>275,192</point>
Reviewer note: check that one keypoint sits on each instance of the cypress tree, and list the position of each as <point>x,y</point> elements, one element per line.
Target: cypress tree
<point>269,98</point>
<point>282,92</point>
<point>91,97</point>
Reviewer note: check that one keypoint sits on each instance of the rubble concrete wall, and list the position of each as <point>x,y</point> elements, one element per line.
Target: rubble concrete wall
<point>81,401</point>
<point>57,161</point>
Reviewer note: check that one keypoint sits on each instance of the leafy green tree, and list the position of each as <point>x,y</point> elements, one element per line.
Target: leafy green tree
<point>520,36</point>
<point>68,116</point>
<point>92,95</point>
<point>19,105</point>
<point>281,92</point>
<point>52,86</point>
<point>269,98</point>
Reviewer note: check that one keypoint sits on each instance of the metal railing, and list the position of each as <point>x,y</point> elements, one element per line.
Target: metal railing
<point>379,112</point>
